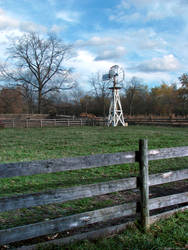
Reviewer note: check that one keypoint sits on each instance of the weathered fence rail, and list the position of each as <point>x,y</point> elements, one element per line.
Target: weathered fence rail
<point>142,183</point>
<point>158,121</point>
<point>82,162</point>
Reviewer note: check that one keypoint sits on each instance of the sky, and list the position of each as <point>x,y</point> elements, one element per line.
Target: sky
<point>147,38</point>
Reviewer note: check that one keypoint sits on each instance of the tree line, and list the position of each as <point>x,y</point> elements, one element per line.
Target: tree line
<point>35,79</point>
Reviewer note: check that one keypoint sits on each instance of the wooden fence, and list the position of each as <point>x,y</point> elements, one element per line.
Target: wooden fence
<point>163,121</point>
<point>142,182</point>
<point>40,123</point>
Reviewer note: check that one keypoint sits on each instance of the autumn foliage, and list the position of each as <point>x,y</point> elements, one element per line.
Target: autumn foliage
<point>11,101</point>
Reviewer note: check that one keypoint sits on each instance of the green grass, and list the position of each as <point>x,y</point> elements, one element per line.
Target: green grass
<point>47,143</point>
<point>32,144</point>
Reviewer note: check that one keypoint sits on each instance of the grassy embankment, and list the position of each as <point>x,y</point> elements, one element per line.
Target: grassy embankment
<point>46,143</point>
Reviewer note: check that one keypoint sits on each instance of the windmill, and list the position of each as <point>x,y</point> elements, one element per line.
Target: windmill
<point>116,74</point>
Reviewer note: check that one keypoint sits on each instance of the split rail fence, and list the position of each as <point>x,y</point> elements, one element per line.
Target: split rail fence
<point>142,182</point>
<point>40,123</point>
<point>158,121</point>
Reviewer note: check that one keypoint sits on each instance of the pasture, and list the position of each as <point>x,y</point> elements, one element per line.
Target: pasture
<point>48,143</point>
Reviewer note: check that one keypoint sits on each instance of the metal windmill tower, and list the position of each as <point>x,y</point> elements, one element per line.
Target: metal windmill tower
<point>116,74</point>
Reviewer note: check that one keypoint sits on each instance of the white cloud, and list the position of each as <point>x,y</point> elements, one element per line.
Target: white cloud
<point>152,79</point>
<point>102,42</point>
<point>85,65</point>
<point>147,10</point>
<point>69,16</point>
<point>162,9</point>
<point>8,22</point>
<point>31,27</point>
<point>123,5</point>
<point>124,17</point>
<point>145,40</point>
<point>11,26</point>
<point>152,43</point>
<point>166,63</point>
<point>106,48</point>
<point>56,29</point>
<point>96,41</point>
<point>140,42</point>
<point>115,53</point>
<point>5,38</point>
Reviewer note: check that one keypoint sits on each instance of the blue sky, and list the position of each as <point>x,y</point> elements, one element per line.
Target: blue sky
<point>148,38</point>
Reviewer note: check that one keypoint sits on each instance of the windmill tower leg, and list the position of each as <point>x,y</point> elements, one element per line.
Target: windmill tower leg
<point>115,111</point>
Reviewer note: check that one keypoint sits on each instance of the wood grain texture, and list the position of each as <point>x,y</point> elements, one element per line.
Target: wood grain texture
<point>66,194</point>
<point>83,162</point>
<point>77,192</point>
<point>170,176</point>
<point>64,164</point>
<point>169,200</point>
<point>91,235</point>
<point>144,183</point>
<point>166,153</point>
<point>95,234</point>
<point>65,223</point>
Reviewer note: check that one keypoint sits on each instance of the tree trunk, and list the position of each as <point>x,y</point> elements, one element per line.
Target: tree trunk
<point>104,108</point>
<point>39,101</point>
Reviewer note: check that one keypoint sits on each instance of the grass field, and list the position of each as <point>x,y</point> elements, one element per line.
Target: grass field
<point>48,143</point>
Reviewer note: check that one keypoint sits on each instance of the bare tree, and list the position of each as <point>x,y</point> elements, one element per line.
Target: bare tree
<point>29,94</point>
<point>100,89</point>
<point>38,62</point>
<point>131,90</point>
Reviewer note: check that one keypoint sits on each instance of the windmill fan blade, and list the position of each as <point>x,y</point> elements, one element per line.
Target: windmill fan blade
<point>121,75</point>
<point>106,77</point>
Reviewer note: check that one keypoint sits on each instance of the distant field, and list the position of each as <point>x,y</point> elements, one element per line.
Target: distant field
<point>37,143</point>
<point>47,143</point>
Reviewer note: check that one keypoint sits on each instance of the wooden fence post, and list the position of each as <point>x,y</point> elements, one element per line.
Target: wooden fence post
<point>144,183</point>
